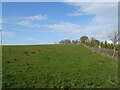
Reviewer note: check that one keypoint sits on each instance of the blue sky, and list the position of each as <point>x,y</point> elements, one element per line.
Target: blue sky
<point>49,22</point>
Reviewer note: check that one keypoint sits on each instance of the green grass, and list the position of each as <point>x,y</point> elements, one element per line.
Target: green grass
<point>57,66</point>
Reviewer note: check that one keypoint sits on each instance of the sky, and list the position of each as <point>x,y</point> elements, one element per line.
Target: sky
<point>27,23</point>
<point>60,0</point>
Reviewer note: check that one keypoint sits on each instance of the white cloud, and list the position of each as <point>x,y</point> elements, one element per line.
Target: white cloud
<point>102,11</point>
<point>105,16</point>
<point>24,20</point>
<point>96,31</point>
<point>37,17</point>
<point>104,20</point>
<point>28,24</point>
<point>63,27</point>
<point>34,18</point>
<point>76,14</point>
<point>24,23</point>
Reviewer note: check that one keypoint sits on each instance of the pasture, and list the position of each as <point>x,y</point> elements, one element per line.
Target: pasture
<point>57,66</point>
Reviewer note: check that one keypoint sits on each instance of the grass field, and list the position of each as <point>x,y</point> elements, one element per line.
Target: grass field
<point>57,66</point>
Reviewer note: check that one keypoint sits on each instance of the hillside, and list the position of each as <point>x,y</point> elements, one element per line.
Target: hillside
<point>57,66</point>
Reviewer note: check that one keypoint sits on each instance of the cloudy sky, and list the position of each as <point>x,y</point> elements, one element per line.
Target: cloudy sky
<point>50,22</point>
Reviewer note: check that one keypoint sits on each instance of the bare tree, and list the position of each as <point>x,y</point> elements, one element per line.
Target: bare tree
<point>113,36</point>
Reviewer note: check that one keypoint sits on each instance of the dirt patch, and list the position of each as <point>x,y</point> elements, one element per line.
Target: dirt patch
<point>101,61</point>
<point>33,52</point>
<point>27,53</point>
<point>15,59</point>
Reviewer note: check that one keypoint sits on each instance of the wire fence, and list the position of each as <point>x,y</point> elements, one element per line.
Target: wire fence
<point>106,52</point>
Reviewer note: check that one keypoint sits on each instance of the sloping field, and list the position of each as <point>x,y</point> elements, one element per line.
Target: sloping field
<point>57,66</point>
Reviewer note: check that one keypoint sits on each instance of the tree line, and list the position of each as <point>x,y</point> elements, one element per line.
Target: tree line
<point>92,42</point>
<point>89,42</point>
